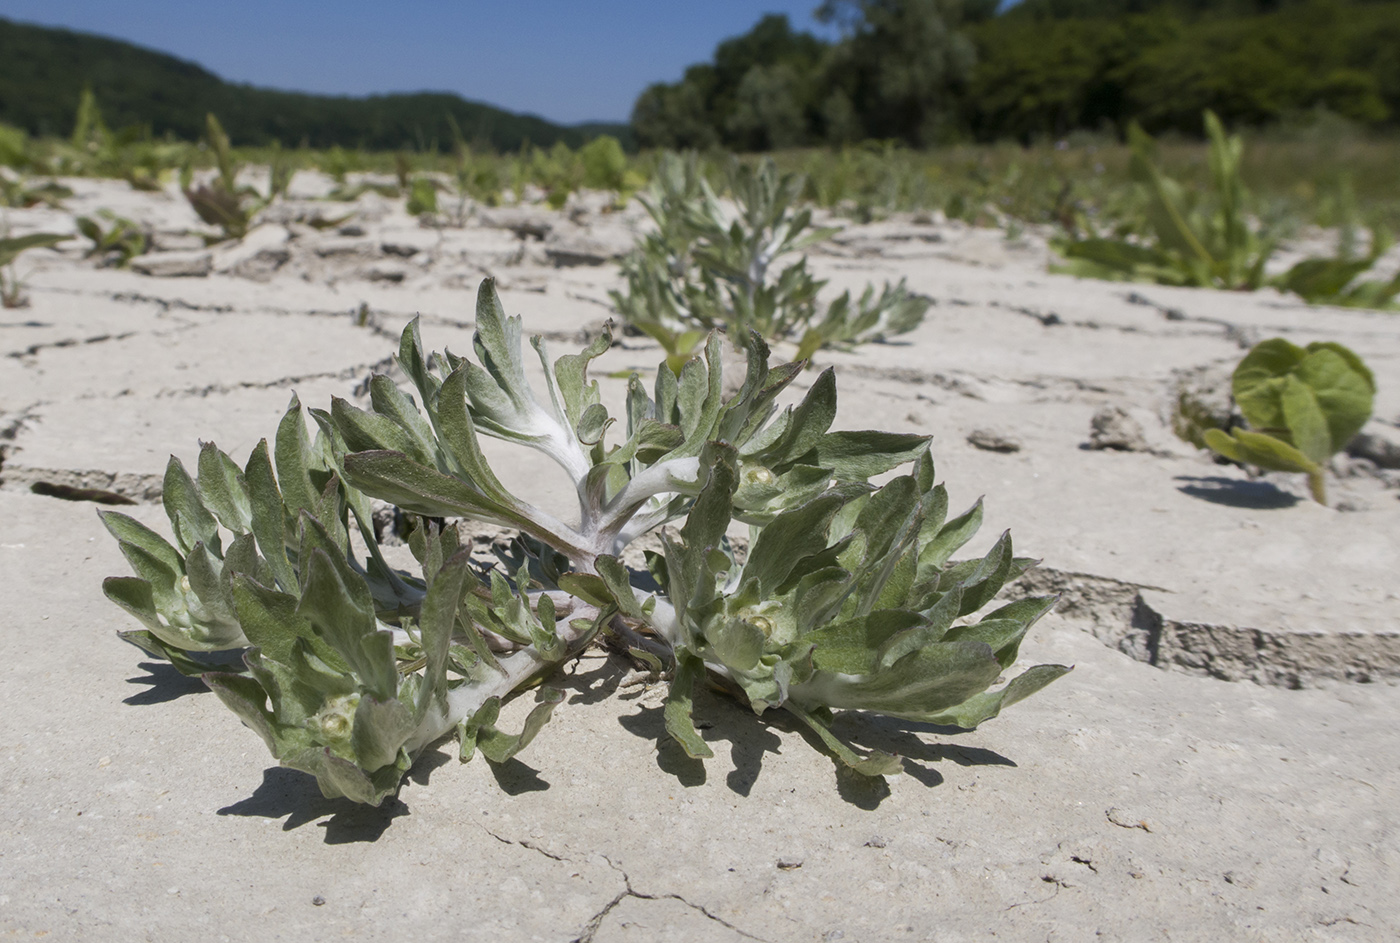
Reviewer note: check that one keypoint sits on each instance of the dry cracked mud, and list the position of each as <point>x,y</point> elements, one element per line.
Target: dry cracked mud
<point>1220,765</point>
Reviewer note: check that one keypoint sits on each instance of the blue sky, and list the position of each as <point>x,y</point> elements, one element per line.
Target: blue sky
<point>567,60</point>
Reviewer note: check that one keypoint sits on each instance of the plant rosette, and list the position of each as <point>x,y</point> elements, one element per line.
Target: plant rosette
<point>349,668</point>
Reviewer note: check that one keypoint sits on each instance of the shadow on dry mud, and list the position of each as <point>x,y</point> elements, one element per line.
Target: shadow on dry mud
<point>163,684</point>
<point>294,795</point>
<point>750,739</point>
<point>1253,495</point>
<point>724,724</point>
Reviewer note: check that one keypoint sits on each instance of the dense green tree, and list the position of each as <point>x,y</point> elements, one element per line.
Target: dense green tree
<point>762,91</point>
<point>903,65</point>
<point>1048,66</point>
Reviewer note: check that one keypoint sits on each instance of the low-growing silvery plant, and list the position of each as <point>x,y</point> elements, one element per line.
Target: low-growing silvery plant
<point>705,268</point>
<point>348,668</point>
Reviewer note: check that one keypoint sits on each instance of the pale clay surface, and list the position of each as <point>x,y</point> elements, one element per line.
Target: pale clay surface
<point>1221,765</point>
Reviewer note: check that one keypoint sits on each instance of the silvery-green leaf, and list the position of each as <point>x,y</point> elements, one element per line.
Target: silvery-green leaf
<point>858,456</point>
<point>761,495</point>
<point>497,746</point>
<point>852,646</point>
<point>931,628</point>
<point>593,424</point>
<point>618,585</point>
<point>737,643</point>
<point>545,631</point>
<point>128,530</point>
<point>292,457</point>
<point>151,644</point>
<point>247,699</point>
<point>413,362</point>
<point>271,622</point>
<point>339,605</point>
<point>269,516</point>
<point>389,401</point>
<point>988,577</point>
<point>436,622</point>
<point>339,777</point>
<point>379,732</point>
<point>952,535</point>
<point>887,522</point>
<point>166,592</point>
<point>808,424</point>
<point>571,377</point>
<point>933,678</point>
<point>983,707</point>
<point>134,595</point>
<point>818,597</point>
<point>790,537</point>
<point>242,557</point>
<point>205,574</point>
<point>458,434</point>
<point>189,518</point>
<point>393,476</point>
<point>875,763</point>
<point>591,589</point>
<point>652,663</point>
<point>293,701</point>
<point>313,536</point>
<point>222,487</point>
<point>677,712</point>
<point>369,432</point>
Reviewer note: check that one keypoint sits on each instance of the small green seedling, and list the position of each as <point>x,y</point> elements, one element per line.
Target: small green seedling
<point>422,196</point>
<point>223,202</point>
<point>116,243</point>
<point>1338,280</point>
<point>11,288</point>
<point>1201,242</point>
<point>1303,406</point>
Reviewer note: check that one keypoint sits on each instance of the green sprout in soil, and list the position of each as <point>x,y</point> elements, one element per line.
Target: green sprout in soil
<point>1303,405</point>
<point>11,288</point>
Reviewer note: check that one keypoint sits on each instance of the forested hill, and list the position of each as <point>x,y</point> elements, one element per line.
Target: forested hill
<point>930,71</point>
<point>43,72</point>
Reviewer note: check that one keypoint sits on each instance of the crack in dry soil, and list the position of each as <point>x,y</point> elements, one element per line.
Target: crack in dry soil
<point>913,377</point>
<point>34,349</point>
<point>216,389</point>
<point>1115,612</point>
<point>522,843</point>
<point>68,483</point>
<point>595,922</point>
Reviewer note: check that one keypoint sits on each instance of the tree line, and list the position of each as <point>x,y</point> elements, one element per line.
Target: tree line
<point>926,72</point>
<point>43,72</point>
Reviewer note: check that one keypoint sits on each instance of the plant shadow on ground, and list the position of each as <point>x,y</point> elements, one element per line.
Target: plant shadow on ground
<point>720,719</point>
<point>1234,492</point>
<point>294,795</point>
<point>163,684</point>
